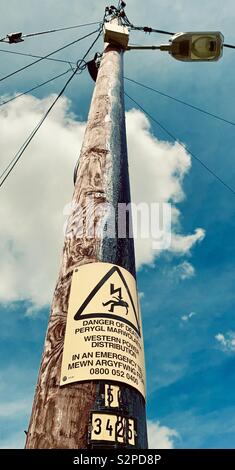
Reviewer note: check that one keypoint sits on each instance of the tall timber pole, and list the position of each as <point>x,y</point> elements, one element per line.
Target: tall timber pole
<point>90,389</point>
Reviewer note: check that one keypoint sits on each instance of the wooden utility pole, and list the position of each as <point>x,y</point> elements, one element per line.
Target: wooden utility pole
<point>62,414</point>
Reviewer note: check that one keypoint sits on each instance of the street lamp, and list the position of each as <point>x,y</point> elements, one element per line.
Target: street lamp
<point>197,46</point>
<point>191,47</point>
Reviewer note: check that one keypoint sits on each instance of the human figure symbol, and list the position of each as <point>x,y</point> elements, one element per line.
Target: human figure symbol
<point>116,302</point>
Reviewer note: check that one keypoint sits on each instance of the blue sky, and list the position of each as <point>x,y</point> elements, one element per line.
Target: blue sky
<point>189,367</point>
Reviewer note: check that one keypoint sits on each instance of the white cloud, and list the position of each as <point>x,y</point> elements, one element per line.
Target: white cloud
<point>184,270</point>
<point>221,338</point>
<point>227,341</point>
<point>161,437</point>
<point>183,245</point>
<point>157,170</point>
<point>141,295</point>
<point>33,198</point>
<point>187,317</point>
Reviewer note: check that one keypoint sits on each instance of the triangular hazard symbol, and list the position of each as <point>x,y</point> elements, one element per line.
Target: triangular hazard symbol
<point>113,296</point>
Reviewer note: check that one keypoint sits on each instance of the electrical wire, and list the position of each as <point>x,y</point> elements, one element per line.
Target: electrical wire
<point>20,152</point>
<point>16,158</point>
<point>49,31</point>
<point>48,55</point>
<point>176,140</point>
<point>148,29</point>
<point>196,108</point>
<point>229,45</point>
<point>35,87</point>
<point>64,61</point>
<point>37,56</point>
<point>59,29</point>
<point>130,80</point>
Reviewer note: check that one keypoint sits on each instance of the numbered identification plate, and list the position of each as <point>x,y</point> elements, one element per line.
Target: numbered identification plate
<point>109,427</point>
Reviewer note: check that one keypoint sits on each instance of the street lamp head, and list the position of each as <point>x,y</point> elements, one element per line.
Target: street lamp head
<point>197,46</point>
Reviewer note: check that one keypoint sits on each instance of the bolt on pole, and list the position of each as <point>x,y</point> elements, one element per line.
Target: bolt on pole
<point>90,389</point>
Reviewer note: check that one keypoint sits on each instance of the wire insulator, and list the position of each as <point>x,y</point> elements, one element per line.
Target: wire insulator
<point>147,29</point>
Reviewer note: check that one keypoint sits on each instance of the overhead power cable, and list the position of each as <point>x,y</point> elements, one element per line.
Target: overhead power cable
<point>64,61</point>
<point>148,29</point>
<point>176,140</point>
<point>60,29</point>
<point>196,108</point>
<point>20,35</point>
<point>48,55</point>
<point>229,45</point>
<point>35,87</point>
<point>130,80</point>
<point>20,152</point>
<point>24,54</point>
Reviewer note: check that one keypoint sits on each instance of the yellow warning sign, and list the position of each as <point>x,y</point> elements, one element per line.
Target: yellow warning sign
<point>103,339</point>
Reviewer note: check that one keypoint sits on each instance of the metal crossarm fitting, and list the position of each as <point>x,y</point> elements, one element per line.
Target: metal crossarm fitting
<point>13,38</point>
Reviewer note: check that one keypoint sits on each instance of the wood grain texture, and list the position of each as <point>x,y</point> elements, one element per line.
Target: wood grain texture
<point>60,415</point>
